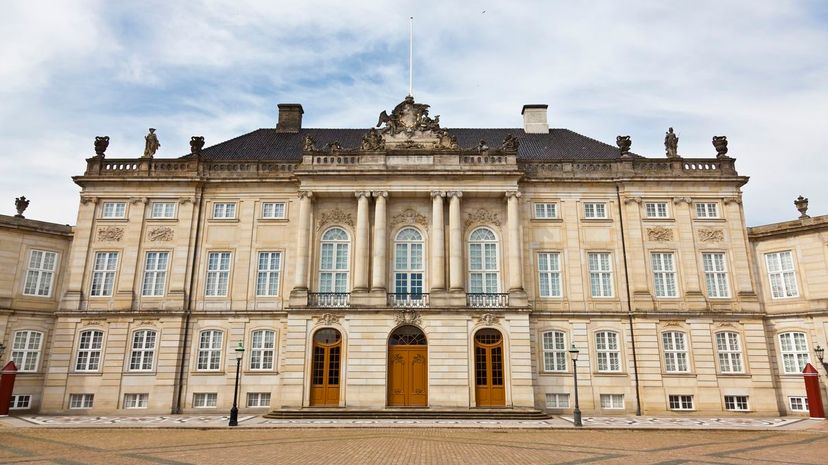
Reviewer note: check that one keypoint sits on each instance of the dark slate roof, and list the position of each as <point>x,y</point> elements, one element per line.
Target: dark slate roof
<point>267,144</point>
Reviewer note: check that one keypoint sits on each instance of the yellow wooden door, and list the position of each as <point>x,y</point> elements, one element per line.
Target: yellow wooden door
<point>407,376</point>
<point>325,369</point>
<point>489,386</point>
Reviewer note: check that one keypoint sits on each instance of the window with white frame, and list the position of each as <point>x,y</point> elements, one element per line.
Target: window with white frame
<point>89,350</point>
<point>554,351</point>
<point>139,400</point>
<point>40,273</point>
<point>664,274</point>
<point>595,210</point>
<point>26,350</point>
<point>680,402</point>
<point>736,403</point>
<point>81,401</point>
<point>333,261</point>
<point>162,210</point>
<point>218,274</point>
<point>20,402</point>
<point>549,274</point>
<point>205,399</point>
<point>707,210</point>
<point>794,352</point>
<point>730,352</point>
<point>113,210</point>
<point>103,274</point>
<point>675,351</point>
<point>224,210</point>
<point>267,279</point>
<point>262,349</point>
<point>209,350</point>
<point>484,272</point>
<point>258,399</point>
<point>409,265</point>
<point>557,400</point>
<point>546,211</point>
<point>155,274</point>
<point>612,401</point>
<point>143,350</point>
<point>798,403</point>
<point>656,210</point>
<point>607,351</point>
<point>273,210</point>
<point>715,274</point>
<point>781,274</point>
<point>600,273</point>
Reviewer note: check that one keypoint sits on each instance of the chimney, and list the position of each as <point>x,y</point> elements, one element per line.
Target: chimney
<point>534,119</point>
<point>290,117</point>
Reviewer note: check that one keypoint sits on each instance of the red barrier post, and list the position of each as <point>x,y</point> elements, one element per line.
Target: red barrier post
<point>811,376</point>
<point>7,386</point>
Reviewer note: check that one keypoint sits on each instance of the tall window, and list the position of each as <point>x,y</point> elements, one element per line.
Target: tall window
<point>781,274</point>
<point>554,351</point>
<point>89,350</point>
<point>794,352</point>
<point>226,210</point>
<point>730,353</point>
<point>40,273</point>
<point>707,210</point>
<point>209,350</point>
<point>262,350</point>
<point>484,276</point>
<point>218,273</point>
<point>600,274</point>
<point>112,210</point>
<point>143,350</point>
<point>26,350</point>
<point>675,351</point>
<point>595,210</point>
<point>606,348</point>
<point>715,274</point>
<point>333,261</point>
<point>103,273</point>
<point>162,210</point>
<point>155,273</point>
<point>408,262</point>
<point>549,274</point>
<point>656,209</point>
<point>267,281</point>
<point>664,274</point>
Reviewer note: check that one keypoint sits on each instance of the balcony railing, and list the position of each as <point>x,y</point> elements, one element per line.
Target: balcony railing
<point>487,300</point>
<point>407,300</point>
<point>329,299</point>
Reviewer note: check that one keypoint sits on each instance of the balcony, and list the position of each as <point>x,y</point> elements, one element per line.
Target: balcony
<point>329,299</point>
<point>487,300</point>
<point>408,300</point>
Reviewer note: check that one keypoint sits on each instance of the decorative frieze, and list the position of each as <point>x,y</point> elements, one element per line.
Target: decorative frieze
<point>409,216</point>
<point>328,319</point>
<point>164,233</point>
<point>335,216</point>
<point>488,319</point>
<point>680,200</point>
<point>660,234</point>
<point>110,234</point>
<point>711,235</point>
<point>629,200</point>
<point>408,317</point>
<point>482,216</point>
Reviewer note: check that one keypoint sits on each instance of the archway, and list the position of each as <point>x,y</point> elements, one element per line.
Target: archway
<point>407,368</point>
<point>489,386</point>
<point>325,368</point>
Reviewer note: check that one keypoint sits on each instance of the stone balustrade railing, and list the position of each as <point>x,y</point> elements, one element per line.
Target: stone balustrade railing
<point>680,167</point>
<point>145,167</point>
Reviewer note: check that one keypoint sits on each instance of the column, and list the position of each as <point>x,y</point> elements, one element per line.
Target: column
<point>455,242</point>
<point>303,235</point>
<point>378,274</point>
<point>513,226</point>
<point>361,242</point>
<point>438,257</point>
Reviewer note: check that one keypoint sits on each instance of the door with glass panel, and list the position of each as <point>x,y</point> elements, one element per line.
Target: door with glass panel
<point>489,386</point>
<point>407,368</point>
<point>333,267</point>
<point>484,274</point>
<point>325,368</point>
<point>408,268</point>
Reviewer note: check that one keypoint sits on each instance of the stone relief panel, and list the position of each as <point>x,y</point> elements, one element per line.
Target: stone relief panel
<point>660,234</point>
<point>482,216</point>
<point>164,233</point>
<point>408,317</point>
<point>110,234</point>
<point>328,319</point>
<point>335,216</point>
<point>409,216</point>
<point>711,235</point>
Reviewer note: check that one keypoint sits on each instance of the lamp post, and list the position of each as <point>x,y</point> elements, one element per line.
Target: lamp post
<point>2,350</point>
<point>820,353</point>
<point>573,354</point>
<point>234,412</point>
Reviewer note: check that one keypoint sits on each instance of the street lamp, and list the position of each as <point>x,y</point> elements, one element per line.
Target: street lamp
<point>820,353</point>
<point>2,350</point>
<point>573,354</point>
<point>234,412</point>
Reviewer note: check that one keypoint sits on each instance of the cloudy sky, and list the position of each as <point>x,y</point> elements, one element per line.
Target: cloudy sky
<point>754,71</point>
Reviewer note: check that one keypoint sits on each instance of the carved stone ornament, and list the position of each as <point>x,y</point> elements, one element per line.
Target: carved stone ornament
<point>408,317</point>
<point>711,235</point>
<point>673,324</point>
<point>629,200</point>
<point>110,234</point>
<point>720,143</point>
<point>725,324</point>
<point>660,234</point>
<point>671,144</point>
<point>800,202</point>
<point>92,323</point>
<point>164,233</point>
<point>151,144</point>
<point>87,199</point>
<point>148,323</point>
<point>482,216</point>
<point>729,200</point>
<point>408,117</point>
<point>488,319</point>
<point>679,200</point>
<point>101,143</point>
<point>447,141</point>
<point>21,204</point>
<point>335,216</point>
<point>624,143</point>
<point>372,141</point>
<point>510,143</point>
<point>409,216</point>
<point>328,319</point>
<point>196,144</point>
<point>309,145</point>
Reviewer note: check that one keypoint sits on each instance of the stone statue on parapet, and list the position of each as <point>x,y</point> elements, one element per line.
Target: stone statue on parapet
<point>101,143</point>
<point>21,204</point>
<point>151,145</point>
<point>720,143</point>
<point>372,141</point>
<point>482,146</point>
<point>510,143</point>
<point>408,116</point>
<point>196,144</point>
<point>671,144</point>
<point>308,144</point>
<point>624,143</point>
<point>802,205</point>
<point>446,141</point>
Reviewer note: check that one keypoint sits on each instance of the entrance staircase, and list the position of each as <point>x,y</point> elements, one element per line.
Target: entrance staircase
<point>410,414</point>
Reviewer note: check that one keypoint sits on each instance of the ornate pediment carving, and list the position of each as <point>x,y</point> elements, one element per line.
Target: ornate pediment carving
<point>408,117</point>
<point>110,234</point>
<point>660,234</point>
<point>328,319</point>
<point>711,235</point>
<point>408,317</point>
<point>488,319</point>
<point>409,216</point>
<point>335,216</point>
<point>164,233</point>
<point>482,216</point>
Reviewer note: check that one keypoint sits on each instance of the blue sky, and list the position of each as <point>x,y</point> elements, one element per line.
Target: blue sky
<point>754,71</point>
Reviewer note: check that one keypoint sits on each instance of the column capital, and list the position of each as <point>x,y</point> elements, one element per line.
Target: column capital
<point>361,194</point>
<point>451,194</point>
<point>679,200</point>
<point>305,194</point>
<point>515,194</point>
<point>437,194</point>
<point>629,200</point>
<point>378,194</point>
<point>88,199</point>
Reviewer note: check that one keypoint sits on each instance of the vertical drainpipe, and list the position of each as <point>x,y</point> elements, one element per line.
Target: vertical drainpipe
<point>629,302</point>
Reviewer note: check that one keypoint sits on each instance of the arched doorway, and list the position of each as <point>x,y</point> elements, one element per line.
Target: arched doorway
<point>325,368</point>
<point>407,368</point>
<point>489,389</point>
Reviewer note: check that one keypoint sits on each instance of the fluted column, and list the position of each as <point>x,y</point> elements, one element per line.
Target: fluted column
<point>300,279</point>
<point>380,243</point>
<point>455,242</point>
<point>438,257</point>
<point>513,227</point>
<point>361,242</point>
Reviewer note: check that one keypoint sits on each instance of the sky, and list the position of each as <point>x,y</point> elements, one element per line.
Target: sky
<point>756,72</point>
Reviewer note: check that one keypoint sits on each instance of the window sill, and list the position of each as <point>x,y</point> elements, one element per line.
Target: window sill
<point>260,372</point>
<point>84,373</point>
<point>615,374</point>
<point>207,373</point>
<point>223,220</point>
<point>273,220</point>
<point>162,220</point>
<point>734,375</point>
<point>658,220</point>
<point>139,373</point>
<point>710,220</point>
<point>670,374</point>
<point>596,220</point>
<point>555,373</point>
<point>546,220</point>
<point>113,220</point>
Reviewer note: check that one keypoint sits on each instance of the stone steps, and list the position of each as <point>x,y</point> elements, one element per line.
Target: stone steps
<point>410,414</point>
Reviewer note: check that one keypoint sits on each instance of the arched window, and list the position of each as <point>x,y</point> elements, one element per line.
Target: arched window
<point>484,274</point>
<point>675,351</point>
<point>794,352</point>
<point>89,350</point>
<point>730,353</point>
<point>143,350</point>
<point>333,261</point>
<point>263,349</point>
<point>26,350</point>
<point>408,264</point>
<point>554,351</point>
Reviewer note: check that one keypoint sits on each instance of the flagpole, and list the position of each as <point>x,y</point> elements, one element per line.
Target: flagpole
<point>411,56</point>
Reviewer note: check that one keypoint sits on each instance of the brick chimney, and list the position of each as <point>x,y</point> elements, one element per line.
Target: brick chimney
<point>290,117</point>
<point>534,119</point>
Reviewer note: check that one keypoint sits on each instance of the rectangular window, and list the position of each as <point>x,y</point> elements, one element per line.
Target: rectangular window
<point>664,274</point>
<point>224,210</point>
<point>655,209</point>
<point>162,210</point>
<point>209,350</point>
<point>205,399</point>
<point>267,280</point>
<point>81,401</point>
<point>111,210</point>
<point>546,211</point>
<point>736,403</point>
<point>557,400</point>
<point>606,348</point>
<point>263,350</point>
<point>715,275</point>
<point>26,350</point>
<point>554,351</point>
<point>103,274</point>
<point>675,351</point>
<point>258,399</point>
<point>798,404</point>
<point>549,274</point>
<point>273,210</point>
<point>730,353</point>
<point>781,274</point>
<point>218,274</point>
<point>40,273</point>
<point>600,274</point>
<point>707,210</point>
<point>89,351</point>
<point>143,350</point>
<point>20,402</point>
<point>794,352</point>
<point>612,401</point>
<point>595,210</point>
<point>681,402</point>
<point>155,273</point>
<point>136,400</point>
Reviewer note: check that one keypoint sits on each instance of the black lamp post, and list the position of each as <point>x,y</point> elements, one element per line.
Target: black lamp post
<point>820,353</point>
<point>2,350</point>
<point>234,412</point>
<point>573,354</point>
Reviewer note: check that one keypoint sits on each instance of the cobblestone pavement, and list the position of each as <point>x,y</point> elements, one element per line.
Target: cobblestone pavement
<point>391,446</point>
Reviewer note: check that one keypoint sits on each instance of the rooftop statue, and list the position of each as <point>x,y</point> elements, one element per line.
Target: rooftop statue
<point>152,144</point>
<point>372,141</point>
<point>671,143</point>
<point>510,143</point>
<point>624,143</point>
<point>802,205</point>
<point>720,142</point>
<point>101,143</point>
<point>408,117</point>
<point>196,144</point>
<point>21,204</point>
<point>308,144</point>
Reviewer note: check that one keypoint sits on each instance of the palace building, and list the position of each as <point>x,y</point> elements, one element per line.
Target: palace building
<point>413,266</point>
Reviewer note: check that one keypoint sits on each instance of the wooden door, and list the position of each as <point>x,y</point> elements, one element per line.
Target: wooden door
<point>489,388</point>
<point>325,368</point>
<point>407,368</point>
